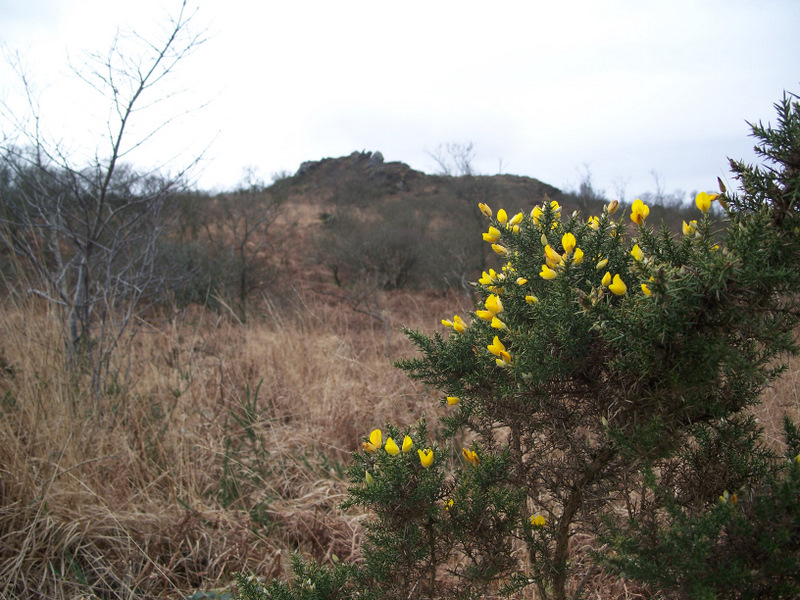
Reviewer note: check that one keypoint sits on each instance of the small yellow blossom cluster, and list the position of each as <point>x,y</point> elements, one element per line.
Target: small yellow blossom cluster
<point>538,521</point>
<point>458,324</point>
<point>391,448</point>
<point>555,261</point>
<point>537,214</point>
<point>499,350</point>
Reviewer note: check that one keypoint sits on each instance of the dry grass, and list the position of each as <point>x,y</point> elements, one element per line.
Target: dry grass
<point>166,486</point>
<point>122,497</point>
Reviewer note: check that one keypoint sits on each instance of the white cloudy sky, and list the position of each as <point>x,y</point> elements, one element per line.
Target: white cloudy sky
<point>548,89</point>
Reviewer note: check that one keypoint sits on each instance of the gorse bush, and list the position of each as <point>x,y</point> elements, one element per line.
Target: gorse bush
<point>603,384</point>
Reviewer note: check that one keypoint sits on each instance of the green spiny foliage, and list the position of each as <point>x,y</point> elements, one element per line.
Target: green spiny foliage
<point>603,382</point>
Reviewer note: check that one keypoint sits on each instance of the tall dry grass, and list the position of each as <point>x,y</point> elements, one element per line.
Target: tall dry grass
<point>218,448</point>
<point>150,490</point>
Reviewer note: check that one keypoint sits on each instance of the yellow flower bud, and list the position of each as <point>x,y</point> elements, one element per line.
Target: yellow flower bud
<point>425,457</point>
<point>452,400</point>
<point>470,456</point>
<point>374,441</point>
<point>578,258</point>
<point>501,250</point>
<point>639,212</point>
<point>548,273</point>
<point>517,219</point>
<point>704,200</point>
<point>493,235</point>
<point>606,279</point>
<point>618,287</point>
<point>497,323</point>
<point>521,281</point>
<point>502,217</point>
<point>459,325</point>
<point>612,207</point>
<point>601,265</point>
<point>646,290</point>
<point>689,228</point>
<point>493,304</point>
<point>568,242</point>
<point>487,212</point>
<point>538,521</point>
<point>637,253</point>
<point>531,299</point>
<point>551,257</point>
<point>391,447</point>
<point>407,444</point>
<point>367,477</point>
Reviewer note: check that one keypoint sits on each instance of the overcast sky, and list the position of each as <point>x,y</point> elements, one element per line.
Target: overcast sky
<point>620,88</point>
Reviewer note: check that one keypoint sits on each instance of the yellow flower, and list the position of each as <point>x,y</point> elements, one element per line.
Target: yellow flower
<point>448,504</point>
<point>612,207</point>
<point>493,304</point>
<point>487,212</point>
<point>538,521</point>
<point>646,290</point>
<point>551,257</point>
<point>704,200</point>
<point>606,279</point>
<point>555,206</point>
<point>578,258</point>
<point>425,457</point>
<point>548,273</point>
<point>497,323</point>
<point>536,214</point>
<point>593,222</point>
<point>639,212</point>
<point>501,250</point>
<point>568,242</point>
<point>502,217</point>
<point>637,253</point>
<point>488,278</point>
<point>459,325</point>
<point>618,288</point>
<point>391,447</point>
<point>452,400</point>
<point>407,444</point>
<point>516,219</point>
<point>531,299</point>
<point>521,281</point>
<point>447,323</point>
<point>470,456</point>
<point>486,315</point>
<point>689,228</point>
<point>374,441</point>
<point>601,265</point>
<point>499,350</point>
<point>367,477</point>
<point>493,235</point>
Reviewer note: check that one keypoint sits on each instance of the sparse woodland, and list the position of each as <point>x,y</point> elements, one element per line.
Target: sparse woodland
<point>361,380</point>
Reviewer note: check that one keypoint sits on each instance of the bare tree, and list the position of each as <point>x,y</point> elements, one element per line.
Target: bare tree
<point>243,228</point>
<point>89,229</point>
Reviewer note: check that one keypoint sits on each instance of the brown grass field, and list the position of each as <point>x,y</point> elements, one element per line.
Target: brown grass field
<point>220,448</point>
